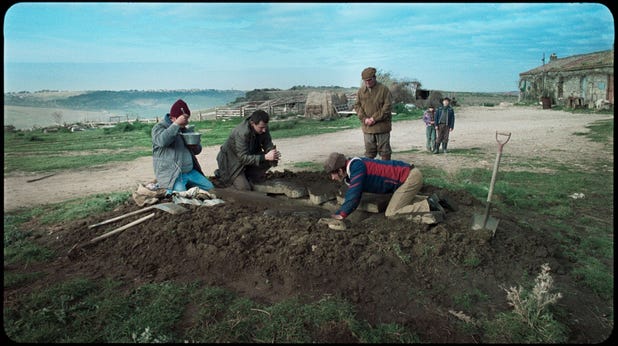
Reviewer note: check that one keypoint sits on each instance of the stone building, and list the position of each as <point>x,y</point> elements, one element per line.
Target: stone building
<point>578,81</point>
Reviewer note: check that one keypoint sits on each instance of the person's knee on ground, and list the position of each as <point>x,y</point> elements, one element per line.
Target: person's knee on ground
<point>241,183</point>
<point>418,205</point>
<point>406,199</point>
<point>195,178</point>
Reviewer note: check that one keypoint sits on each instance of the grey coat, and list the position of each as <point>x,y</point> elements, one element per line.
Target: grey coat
<point>242,148</point>
<point>170,155</point>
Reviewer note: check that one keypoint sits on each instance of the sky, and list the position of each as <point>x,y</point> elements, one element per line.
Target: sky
<point>475,47</point>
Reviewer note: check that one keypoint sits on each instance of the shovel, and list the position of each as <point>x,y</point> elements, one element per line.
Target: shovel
<point>485,221</point>
<point>169,207</point>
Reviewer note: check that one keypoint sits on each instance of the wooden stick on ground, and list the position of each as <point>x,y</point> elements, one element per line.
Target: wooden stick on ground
<point>120,229</point>
<point>41,178</point>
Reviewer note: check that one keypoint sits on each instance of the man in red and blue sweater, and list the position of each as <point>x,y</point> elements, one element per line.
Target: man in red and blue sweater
<point>363,174</point>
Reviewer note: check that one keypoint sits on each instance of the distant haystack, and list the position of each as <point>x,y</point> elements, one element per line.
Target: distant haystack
<point>324,105</point>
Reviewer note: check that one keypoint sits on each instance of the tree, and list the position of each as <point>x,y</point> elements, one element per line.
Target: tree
<point>403,90</point>
<point>57,116</point>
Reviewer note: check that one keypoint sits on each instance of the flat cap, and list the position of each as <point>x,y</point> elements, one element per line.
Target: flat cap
<point>334,162</point>
<point>368,73</point>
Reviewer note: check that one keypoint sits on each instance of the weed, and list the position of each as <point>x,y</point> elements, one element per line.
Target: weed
<point>148,337</point>
<point>530,320</point>
<point>472,260</point>
<point>402,256</point>
<point>428,251</point>
<point>467,299</point>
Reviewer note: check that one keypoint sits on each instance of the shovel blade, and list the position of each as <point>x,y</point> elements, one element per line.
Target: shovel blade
<point>491,224</point>
<point>171,208</point>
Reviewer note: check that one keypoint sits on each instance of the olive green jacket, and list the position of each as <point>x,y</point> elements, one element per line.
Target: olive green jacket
<point>244,147</point>
<point>374,103</point>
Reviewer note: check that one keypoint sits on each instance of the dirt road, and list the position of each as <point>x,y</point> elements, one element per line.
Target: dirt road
<point>536,133</point>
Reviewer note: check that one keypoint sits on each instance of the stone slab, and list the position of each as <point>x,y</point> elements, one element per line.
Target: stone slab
<point>371,202</point>
<point>281,187</point>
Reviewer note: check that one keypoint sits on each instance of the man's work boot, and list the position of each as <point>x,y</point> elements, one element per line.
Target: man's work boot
<point>436,149</point>
<point>444,147</point>
<point>385,157</point>
<point>434,204</point>
<point>447,203</point>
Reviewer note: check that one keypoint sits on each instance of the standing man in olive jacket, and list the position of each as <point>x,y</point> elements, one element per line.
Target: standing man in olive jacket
<point>373,107</point>
<point>248,153</point>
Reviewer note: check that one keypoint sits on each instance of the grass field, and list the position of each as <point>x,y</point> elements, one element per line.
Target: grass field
<point>36,151</point>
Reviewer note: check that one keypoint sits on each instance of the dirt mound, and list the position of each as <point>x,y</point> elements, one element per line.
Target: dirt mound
<point>394,270</point>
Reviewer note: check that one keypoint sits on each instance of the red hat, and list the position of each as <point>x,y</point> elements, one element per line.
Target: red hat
<point>179,108</point>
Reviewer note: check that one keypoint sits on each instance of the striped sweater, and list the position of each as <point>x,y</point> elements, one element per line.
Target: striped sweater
<point>371,175</point>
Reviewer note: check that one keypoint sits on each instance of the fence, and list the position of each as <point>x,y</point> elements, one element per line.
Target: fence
<point>229,112</point>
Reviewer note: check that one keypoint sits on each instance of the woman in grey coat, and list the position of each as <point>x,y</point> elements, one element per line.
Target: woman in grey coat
<point>175,165</point>
<point>248,153</point>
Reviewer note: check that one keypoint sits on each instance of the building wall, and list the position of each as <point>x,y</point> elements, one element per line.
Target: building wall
<point>591,85</point>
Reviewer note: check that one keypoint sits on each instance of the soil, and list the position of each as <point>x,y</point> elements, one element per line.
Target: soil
<point>271,248</point>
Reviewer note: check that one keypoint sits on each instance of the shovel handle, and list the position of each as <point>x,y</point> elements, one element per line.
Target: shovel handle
<point>120,229</point>
<point>501,144</point>
<point>121,216</point>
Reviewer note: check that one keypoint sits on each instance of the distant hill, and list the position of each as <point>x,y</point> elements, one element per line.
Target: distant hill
<point>28,109</point>
<point>146,104</point>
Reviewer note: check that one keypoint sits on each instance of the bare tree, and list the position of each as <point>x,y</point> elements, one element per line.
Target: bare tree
<point>57,115</point>
<point>403,90</point>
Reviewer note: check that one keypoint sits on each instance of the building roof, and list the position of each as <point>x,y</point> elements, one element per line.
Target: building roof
<point>576,62</point>
<point>284,101</point>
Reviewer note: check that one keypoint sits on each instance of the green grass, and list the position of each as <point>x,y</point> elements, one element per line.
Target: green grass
<point>600,131</point>
<point>405,258</point>
<point>19,279</point>
<point>17,246</point>
<point>507,328</point>
<point>71,209</point>
<point>465,300</point>
<point>47,152</point>
<point>472,260</point>
<point>309,166</point>
<point>86,311</point>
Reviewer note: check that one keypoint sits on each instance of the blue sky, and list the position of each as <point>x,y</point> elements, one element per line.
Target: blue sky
<point>478,47</point>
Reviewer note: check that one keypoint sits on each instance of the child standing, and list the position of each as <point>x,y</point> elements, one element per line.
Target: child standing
<point>430,130</point>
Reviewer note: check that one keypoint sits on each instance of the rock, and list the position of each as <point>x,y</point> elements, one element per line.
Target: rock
<point>279,186</point>
<point>371,202</point>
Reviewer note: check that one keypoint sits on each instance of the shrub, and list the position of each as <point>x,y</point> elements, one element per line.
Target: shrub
<point>530,321</point>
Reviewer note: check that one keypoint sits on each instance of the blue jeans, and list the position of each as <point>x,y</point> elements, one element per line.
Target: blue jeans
<point>193,178</point>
